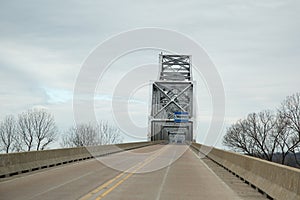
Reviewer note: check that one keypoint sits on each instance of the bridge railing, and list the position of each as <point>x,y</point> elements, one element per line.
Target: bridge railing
<point>277,181</point>
<point>16,163</point>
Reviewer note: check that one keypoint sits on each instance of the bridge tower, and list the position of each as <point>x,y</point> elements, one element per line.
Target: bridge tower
<point>171,116</point>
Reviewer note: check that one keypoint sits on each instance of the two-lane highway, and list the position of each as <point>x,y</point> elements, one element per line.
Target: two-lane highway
<point>153,172</point>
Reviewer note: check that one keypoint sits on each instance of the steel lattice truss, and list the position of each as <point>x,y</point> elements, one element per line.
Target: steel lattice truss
<point>175,67</point>
<point>171,95</point>
<point>169,98</point>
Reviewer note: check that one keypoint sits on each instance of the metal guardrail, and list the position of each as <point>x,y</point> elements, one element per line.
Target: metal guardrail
<point>275,180</point>
<point>17,163</point>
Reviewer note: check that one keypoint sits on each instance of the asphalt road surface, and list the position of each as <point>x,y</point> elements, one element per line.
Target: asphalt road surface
<point>153,172</point>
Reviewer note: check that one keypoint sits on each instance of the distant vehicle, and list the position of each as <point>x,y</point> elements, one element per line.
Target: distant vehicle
<point>176,138</point>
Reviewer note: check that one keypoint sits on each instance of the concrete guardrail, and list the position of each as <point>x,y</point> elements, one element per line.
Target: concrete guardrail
<point>277,181</point>
<point>16,163</point>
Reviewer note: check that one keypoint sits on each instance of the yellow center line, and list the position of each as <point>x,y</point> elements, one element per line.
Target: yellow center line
<point>137,166</point>
<point>113,187</point>
<point>147,161</point>
<point>98,189</point>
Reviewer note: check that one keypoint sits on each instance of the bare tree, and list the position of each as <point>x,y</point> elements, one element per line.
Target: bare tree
<point>254,135</point>
<point>290,111</point>
<point>107,134</point>
<point>18,143</point>
<point>89,135</point>
<point>80,135</point>
<point>36,128</point>
<point>44,128</point>
<point>283,137</point>
<point>25,129</point>
<point>237,139</point>
<point>7,134</point>
<point>269,136</point>
<point>262,132</point>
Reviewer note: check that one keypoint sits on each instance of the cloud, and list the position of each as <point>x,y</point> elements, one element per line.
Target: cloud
<point>58,95</point>
<point>254,44</point>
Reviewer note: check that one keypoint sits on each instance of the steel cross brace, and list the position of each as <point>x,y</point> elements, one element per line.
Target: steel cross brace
<point>172,100</point>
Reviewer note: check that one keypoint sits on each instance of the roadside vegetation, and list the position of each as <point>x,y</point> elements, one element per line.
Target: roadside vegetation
<point>35,130</point>
<point>273,135</point>
<point>101,133</point>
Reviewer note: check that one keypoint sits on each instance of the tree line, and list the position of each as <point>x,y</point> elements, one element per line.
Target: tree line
<point>273,135</point>
<point>35,129</point>
<point>91,134</point>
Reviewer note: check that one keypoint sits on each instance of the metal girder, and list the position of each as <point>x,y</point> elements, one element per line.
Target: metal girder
<point>172,95</point>
<point>181,97</point>
<point>175,67</point>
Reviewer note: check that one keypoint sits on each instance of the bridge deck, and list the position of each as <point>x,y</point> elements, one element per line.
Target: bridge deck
<point>154,172</point>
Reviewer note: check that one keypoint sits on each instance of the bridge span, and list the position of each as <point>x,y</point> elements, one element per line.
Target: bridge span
<point>162,171</point>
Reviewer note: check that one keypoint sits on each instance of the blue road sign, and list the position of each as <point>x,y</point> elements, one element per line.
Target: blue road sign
<point>181,117</point>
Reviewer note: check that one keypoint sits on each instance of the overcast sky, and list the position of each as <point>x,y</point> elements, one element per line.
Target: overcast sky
<point>254,45</point>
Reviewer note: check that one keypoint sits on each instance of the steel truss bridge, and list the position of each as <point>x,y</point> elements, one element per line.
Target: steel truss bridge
<point>171,115</point>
